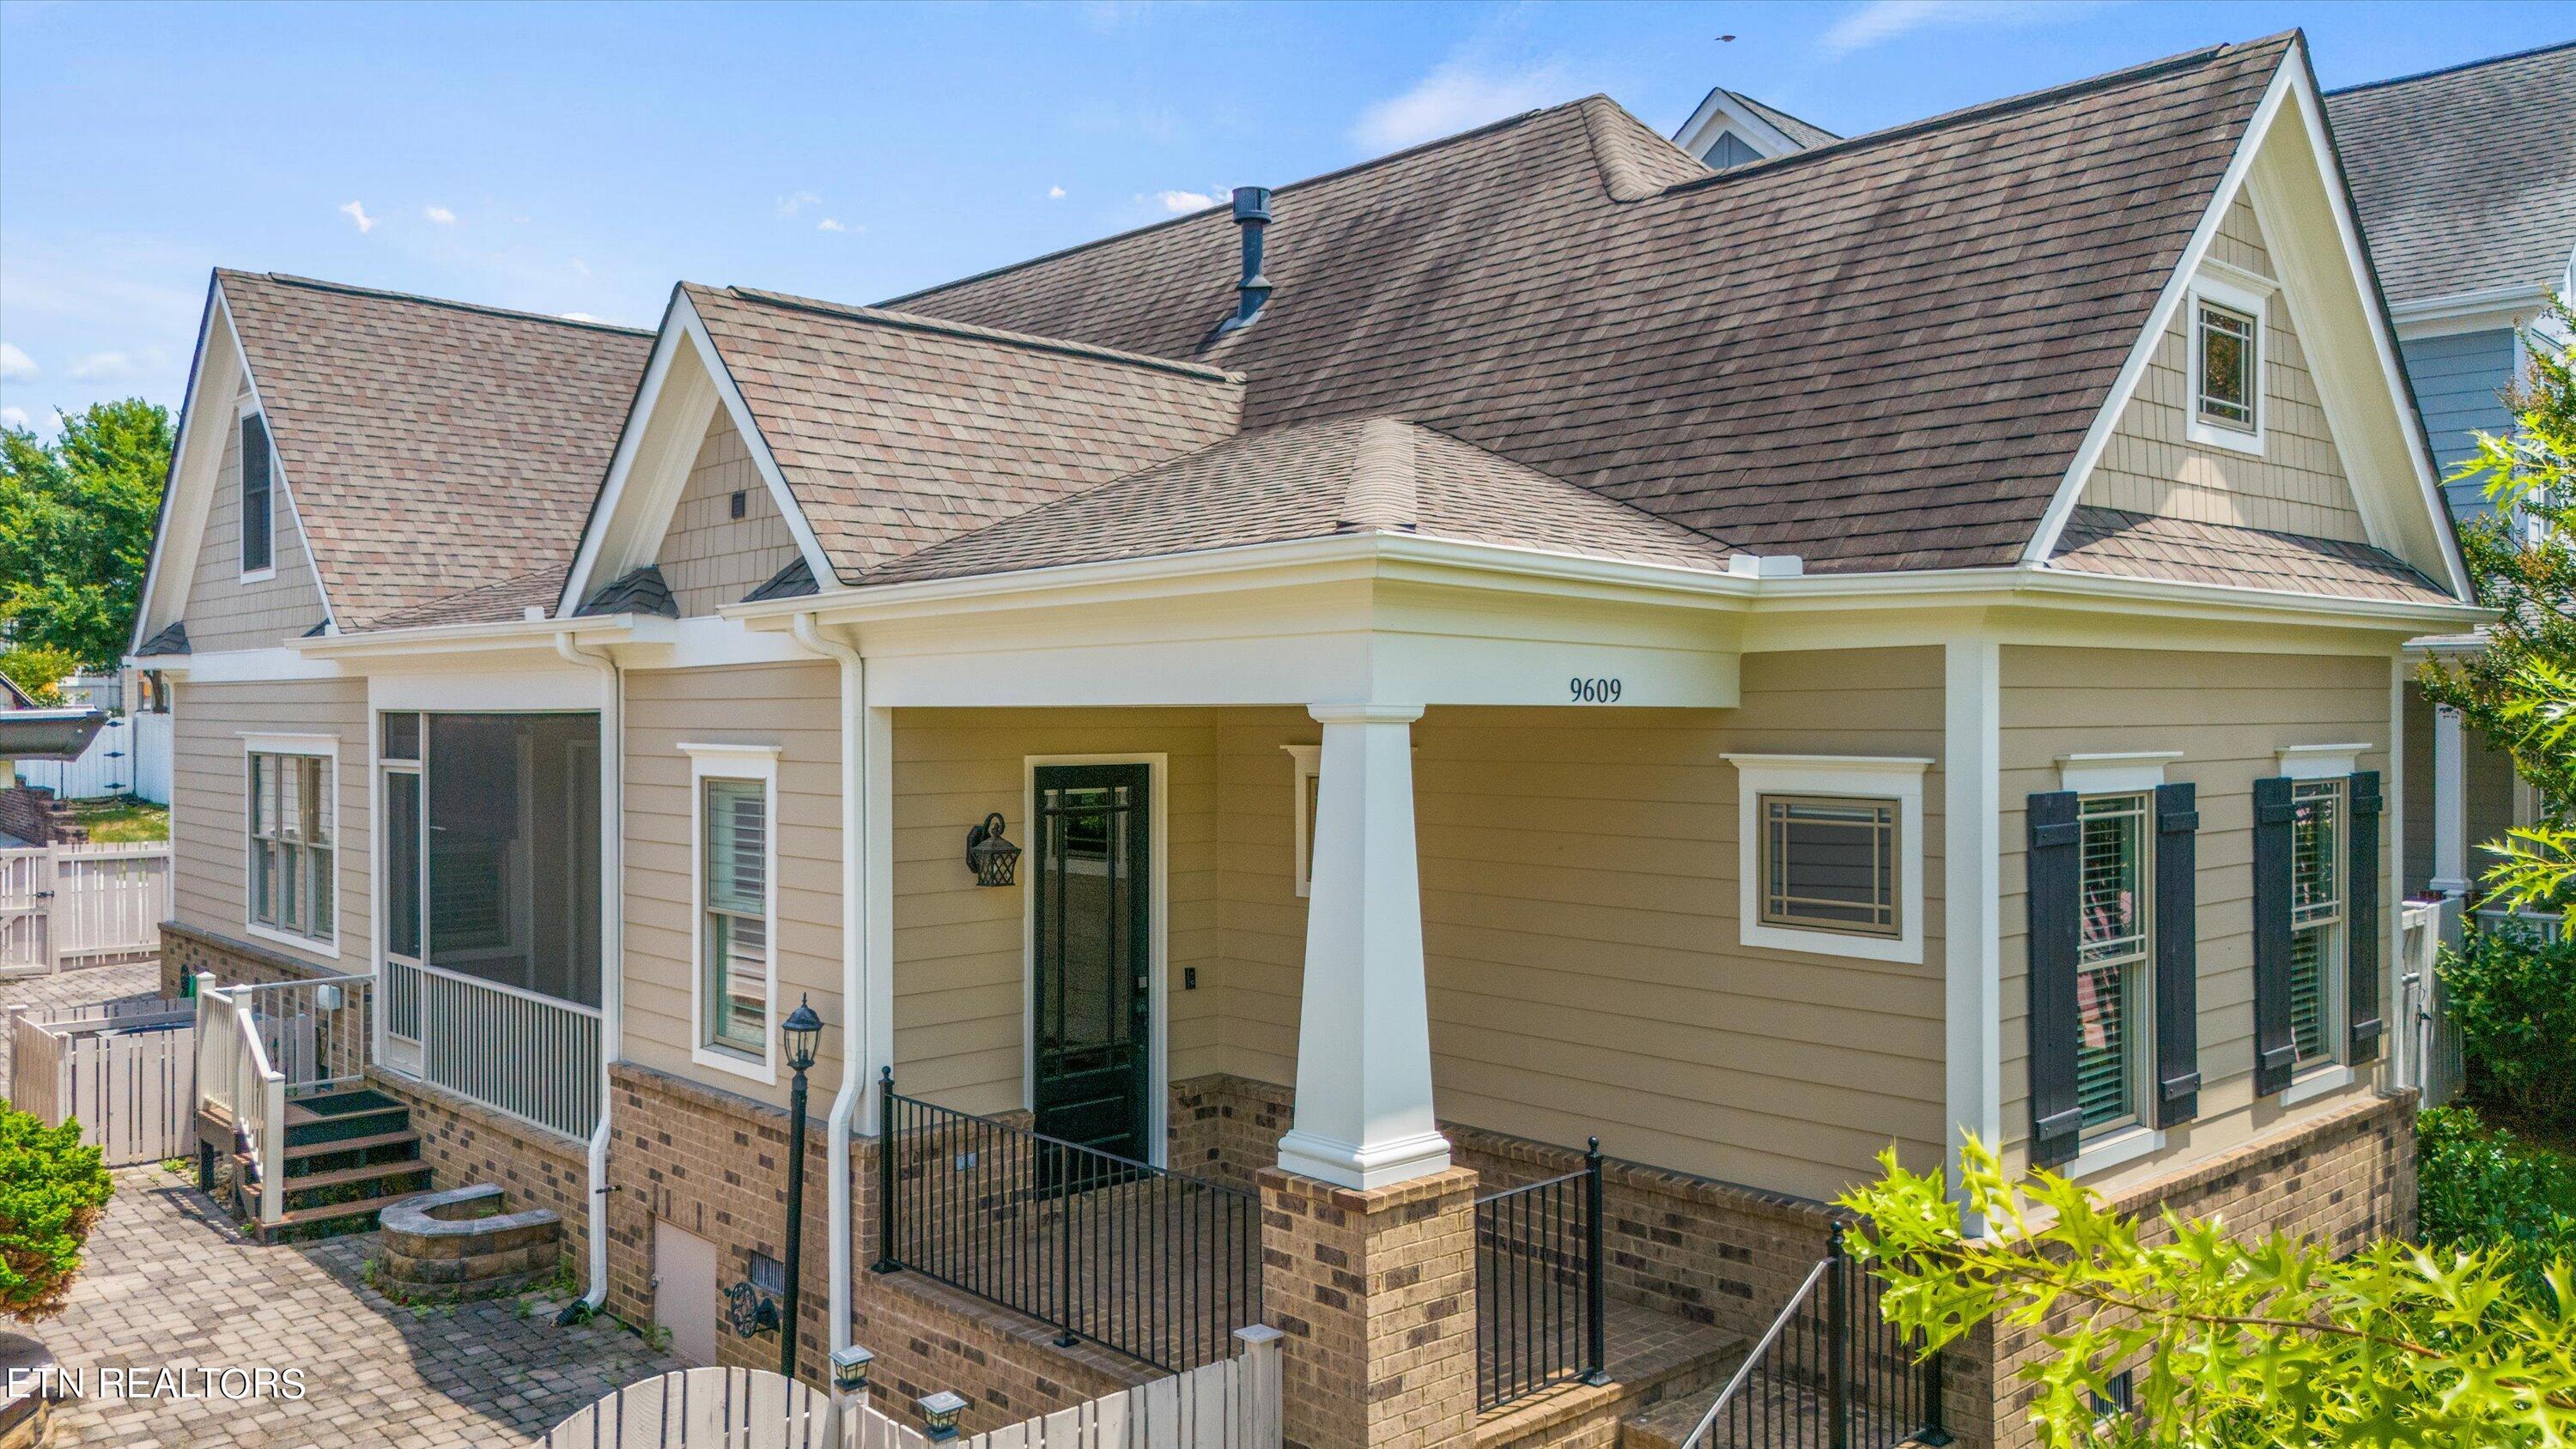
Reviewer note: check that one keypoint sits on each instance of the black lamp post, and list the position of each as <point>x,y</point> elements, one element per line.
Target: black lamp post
<point>801,1030</point>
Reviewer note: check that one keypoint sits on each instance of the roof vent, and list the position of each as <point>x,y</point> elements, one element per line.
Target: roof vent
<point>1252,213</point>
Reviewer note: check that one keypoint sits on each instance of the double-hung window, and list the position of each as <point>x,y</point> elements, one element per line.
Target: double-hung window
<point>2112,961</point>
<point>736,992</point>
<point>2316,918</point>
<point>292,838</point>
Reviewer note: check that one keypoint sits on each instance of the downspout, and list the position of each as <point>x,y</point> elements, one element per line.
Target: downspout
<point>612,950</point>
<point>854,922</point>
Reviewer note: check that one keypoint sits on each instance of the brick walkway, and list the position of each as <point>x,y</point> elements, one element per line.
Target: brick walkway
<point>170,1283</point>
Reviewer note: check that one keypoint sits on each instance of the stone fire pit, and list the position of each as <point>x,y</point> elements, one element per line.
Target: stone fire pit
<point>448,1246</point>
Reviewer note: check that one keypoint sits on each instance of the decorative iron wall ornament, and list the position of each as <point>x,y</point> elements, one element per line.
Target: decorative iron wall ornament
<point>994,860</point>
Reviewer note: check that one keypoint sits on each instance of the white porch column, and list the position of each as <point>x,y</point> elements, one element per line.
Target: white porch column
<point>2450,803</point>
<point>1363,1114</point>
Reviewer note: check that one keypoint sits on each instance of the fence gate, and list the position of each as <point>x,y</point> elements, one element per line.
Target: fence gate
<point>126,1071</point>
<point>26,911</point>
<point>703,1408</point>
<point>82,905</point>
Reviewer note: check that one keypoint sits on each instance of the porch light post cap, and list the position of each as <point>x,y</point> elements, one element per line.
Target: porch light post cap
<point>939,1413</point>
<point>802,1030</point>
<point>850,1368</point>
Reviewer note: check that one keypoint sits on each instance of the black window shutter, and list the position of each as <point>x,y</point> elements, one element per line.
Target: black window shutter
<point>2055,867</point>
<point>2275,1054</point>
<point>2361,918</point>
<point>255,509</point>
<point>2177,928</point>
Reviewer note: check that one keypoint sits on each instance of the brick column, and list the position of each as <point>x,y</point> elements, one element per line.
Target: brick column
<point>1376,1291</point>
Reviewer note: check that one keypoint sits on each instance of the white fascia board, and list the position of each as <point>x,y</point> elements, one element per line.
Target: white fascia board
<point>485,638</point>
<point>163,560</point>
<point>241,666</point>
<point>2079,471</point>
<point>683,332</point>
<point>2491,310</point>
<point>1723,110</point>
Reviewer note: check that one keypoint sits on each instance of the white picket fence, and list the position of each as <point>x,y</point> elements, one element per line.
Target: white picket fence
<point>130,755</point>
<point>126,1071</point>
<point>1230,1404</point>
<point>81,905</point>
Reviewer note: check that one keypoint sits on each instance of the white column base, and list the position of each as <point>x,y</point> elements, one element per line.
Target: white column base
<point>1378,1164</point>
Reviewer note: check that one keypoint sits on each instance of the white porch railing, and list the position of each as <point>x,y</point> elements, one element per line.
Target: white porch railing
<point>532,1057</point>
<point>256,1044</point>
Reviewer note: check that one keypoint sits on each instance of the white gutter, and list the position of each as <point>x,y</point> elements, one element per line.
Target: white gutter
<point>612,949</point>
<point>854,935</point>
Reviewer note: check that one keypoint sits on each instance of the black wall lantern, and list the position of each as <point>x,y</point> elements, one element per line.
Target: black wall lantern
<point>994,860</point>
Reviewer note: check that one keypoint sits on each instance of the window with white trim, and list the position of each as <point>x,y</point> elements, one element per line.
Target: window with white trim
<point>257,501</point>
<point>2316,919</point>
<point>2112,960</point>
<point>291,842</point>
<point>1831,857</point>
<point>2227,382</point>
<point>735,982</point>
<point>1307,759</point>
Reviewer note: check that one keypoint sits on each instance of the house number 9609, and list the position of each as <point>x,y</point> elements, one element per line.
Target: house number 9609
<point>1593,691</point>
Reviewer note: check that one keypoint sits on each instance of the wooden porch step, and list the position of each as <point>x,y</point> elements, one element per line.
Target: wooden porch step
<point>350,1144</point>
<point>328,1212</point>
<point>368,1173</point>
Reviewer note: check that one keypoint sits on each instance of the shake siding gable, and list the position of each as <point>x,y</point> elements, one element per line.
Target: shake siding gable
<point>207,797</point>
<point>2228,713</point>
<point>223,612</point>
<point>709,558</point>
<point>797,708</point>
<point>2297,486</point>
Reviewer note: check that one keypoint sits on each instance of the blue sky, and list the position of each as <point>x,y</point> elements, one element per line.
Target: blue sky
<point>581,158</point>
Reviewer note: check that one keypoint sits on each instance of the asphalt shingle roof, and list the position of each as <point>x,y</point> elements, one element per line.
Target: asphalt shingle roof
<point>2465,178</point>
<point>482,604</point>
<point>2180,550</point>
<point>1310,480</point>
<point>1877,354</point>
<point>431,447</point>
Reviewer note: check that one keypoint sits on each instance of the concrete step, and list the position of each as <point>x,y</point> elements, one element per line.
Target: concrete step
<point>1782,1414</point>
<point>1655,1359</point>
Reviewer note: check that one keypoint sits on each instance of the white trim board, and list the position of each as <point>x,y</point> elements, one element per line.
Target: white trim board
<point>1858,776</point>
<point>755,762</point>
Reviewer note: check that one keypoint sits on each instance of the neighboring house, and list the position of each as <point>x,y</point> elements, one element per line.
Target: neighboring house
<point>1571,643</point>
<point>2465,183</point>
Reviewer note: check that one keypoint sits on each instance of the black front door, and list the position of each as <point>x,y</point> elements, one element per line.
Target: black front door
<point>1094,969</point>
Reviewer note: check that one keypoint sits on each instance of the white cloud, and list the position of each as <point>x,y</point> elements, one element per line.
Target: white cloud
<point>796,201</point>
<point>1885,20</point>
<point>15,363</point>
<point>439,214</point>
<point>356,212</point>
<point>13,417</point>
<point>106,365</point>
<point>1453,98</point>
<point>1180,203</point>
<point>834,223</point>
<point>1055,193</point>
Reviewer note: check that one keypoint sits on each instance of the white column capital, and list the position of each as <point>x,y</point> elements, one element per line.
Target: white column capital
<point>1365,713</point>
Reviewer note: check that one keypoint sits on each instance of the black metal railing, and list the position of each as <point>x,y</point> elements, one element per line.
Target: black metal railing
<point>1159,1265</point>
<point>1539,1298</point>
<point>1830,1373</point>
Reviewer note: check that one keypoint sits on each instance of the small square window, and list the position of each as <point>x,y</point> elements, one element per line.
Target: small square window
<point>1829,864</point>
<point>2228,377</point>
<point>402,737</point>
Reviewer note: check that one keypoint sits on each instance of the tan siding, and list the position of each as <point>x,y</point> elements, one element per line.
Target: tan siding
<point>960,949</point>
<point>2227,714</point>
<point>207,789</point>
<point>2297,486</point>
<point>710,558</point>
<point>225,613</point>
<point>797,708</point>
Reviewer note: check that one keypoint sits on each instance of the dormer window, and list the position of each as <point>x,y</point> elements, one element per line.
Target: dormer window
<point>2229,354</point>
<point>257,557</point>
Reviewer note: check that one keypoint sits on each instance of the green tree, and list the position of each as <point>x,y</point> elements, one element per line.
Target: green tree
<point>52,1190</point>
<point>38,669</point>
<point>2272,1342</point>
<point>2520,691</point>
<point>76,520</point>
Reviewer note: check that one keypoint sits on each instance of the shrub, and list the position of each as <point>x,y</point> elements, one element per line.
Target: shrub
<point>51,1191</point>
<point>2513,993</point>
<point>2482,1187</point>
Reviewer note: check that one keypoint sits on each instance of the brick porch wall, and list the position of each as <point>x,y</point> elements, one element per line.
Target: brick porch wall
<point>465,1143</point>
<point>31,813</point>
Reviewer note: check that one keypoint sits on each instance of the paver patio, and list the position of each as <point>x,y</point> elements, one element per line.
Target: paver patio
<point>171,1283</point>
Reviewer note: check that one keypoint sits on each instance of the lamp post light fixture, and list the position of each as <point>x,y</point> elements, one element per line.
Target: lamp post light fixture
<point>994,860</point>
<point>800,1032</point>
<point>939,1413</point>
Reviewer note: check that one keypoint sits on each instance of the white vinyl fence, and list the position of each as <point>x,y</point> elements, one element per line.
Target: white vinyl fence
<point>64,906</point>
<point>126,1071</point>
<point>130,755</point>
<point>1230,1404</point>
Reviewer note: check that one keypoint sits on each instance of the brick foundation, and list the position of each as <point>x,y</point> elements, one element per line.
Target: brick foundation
<point>464,1143</point>
<point>2344,1178</point>
<point>1376,1292</point>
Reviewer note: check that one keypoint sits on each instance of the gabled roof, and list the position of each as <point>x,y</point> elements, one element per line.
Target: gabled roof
<point>1310,480</point>
<point>894,432</point>
<point>1805,134</point>
<point>2180,550</point>
<point>408,428</point>
<point>637,591</point>
<point>2465,178</point>
<point>482,604</point>
<point>1881,353</point>
<point>172,639</point>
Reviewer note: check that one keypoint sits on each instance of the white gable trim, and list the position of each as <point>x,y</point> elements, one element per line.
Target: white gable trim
<point>684,384</point>
<point>198,456</point>
<point>2293,91</point>
<point>1723,112</point>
